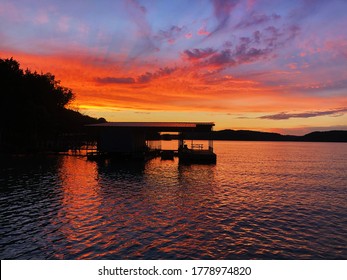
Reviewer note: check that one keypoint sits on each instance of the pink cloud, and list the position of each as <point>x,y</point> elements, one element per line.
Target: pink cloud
<point>203,29</point>
<point>250,4</point>
<point>41,18</point>
<point>83,30</point>
<point>293,66</point>
<point>188,35</point>
<point>338,47</point>
<point>63,24</point>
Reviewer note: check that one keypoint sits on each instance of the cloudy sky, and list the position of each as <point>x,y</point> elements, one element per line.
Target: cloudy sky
<point>254,64</point>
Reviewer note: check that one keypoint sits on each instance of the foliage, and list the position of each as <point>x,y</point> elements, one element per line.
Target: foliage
<point>33,108</point>
<point>30,87</point>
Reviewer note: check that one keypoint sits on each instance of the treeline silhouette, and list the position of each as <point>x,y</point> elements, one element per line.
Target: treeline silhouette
<point>249,135</point>
<point>33,113</point>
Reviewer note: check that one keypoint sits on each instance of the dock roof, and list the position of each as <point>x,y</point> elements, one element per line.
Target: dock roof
<point>159,126</point>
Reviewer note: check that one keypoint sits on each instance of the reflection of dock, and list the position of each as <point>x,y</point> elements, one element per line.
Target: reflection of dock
<point>141,141</point>
<point>168,154</point>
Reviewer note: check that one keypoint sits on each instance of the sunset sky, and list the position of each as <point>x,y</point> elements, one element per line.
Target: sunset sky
<point>255,64</point>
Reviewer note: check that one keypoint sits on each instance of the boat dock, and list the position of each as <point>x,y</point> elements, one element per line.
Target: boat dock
<point>142,141</point>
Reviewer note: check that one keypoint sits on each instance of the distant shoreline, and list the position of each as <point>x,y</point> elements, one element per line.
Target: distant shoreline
<point>337,136</point>
<point>293,141</point>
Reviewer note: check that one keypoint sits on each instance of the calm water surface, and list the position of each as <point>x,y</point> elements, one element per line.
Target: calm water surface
<point>262,200</point>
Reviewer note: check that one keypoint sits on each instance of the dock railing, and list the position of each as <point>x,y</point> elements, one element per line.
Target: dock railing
<point>197,146</point>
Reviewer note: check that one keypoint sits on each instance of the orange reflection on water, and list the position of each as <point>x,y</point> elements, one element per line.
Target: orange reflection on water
<point>80,204</point>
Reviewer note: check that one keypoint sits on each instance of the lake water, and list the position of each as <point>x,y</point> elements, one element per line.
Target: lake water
<point>262,200</point>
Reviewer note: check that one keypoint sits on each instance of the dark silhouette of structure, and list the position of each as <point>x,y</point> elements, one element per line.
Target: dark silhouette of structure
<point>136,140</point>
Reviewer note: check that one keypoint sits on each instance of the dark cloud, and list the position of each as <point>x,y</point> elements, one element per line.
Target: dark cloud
<point>197,54</point>
<point>171,34</point>
<point>260,45</point>
<point>242,52</point>
<point>291,32</point>
<point>149,76</point>
<point>256,36</point>
<point>272,35</point>
<point>224,57</point>
<point>256,19</point>
<point>142,79</point>
<point>115,80</point>
<point>245,51</point>
<point>252,54</point>
<point>228,44</point>
<point>286,116</point>
<point>145,78</point>
<point>275,37</point>
<point>222,11</point>
<point>227,57</point>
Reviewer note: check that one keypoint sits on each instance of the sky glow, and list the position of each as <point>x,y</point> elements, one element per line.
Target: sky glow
<point>257,64</point>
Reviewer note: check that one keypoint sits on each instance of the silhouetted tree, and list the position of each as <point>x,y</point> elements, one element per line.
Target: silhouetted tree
<point>33,108</point>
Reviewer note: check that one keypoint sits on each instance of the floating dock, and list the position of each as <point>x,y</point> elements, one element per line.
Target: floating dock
<point>197,156</point>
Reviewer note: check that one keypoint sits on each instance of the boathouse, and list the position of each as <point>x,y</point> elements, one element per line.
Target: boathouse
<point>139,140</point>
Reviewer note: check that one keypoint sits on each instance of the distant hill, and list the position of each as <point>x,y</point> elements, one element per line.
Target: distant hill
<point>249,135</point>
<point>326,136</point>
<point>317,136</point>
